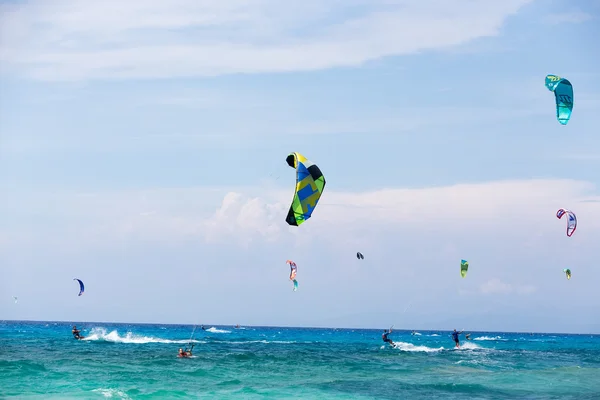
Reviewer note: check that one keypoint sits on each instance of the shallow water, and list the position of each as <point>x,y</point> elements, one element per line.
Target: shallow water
<point>132,361</point>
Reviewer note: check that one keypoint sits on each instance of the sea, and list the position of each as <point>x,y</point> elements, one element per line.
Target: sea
<point>41,360</point>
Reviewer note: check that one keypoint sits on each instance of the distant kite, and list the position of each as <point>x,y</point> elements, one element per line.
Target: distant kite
<point>567,272</point>
<point>81,287</point>
<point>464,267</point>
<point>563,94</point>
<point>360,256</point>
<point>571,221</point>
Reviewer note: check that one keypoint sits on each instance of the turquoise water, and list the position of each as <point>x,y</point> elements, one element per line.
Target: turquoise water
<point>130,361</point>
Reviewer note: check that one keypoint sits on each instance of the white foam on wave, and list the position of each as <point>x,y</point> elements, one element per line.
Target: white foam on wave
<point>215,330</point>
<point>110,393</point>
<point>435,334</point>
<point>416,334</point>
<point>403,346</point>
<point>489,338</point>
<point>475,362</point>
<point>265,341</point>
<point>467,346</point>
<point>411,347</point>
<point>101,334</point>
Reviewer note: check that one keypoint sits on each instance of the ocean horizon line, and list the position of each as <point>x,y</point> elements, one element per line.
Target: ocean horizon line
<point>290,327</point>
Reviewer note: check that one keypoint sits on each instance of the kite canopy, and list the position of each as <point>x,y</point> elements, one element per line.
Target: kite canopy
<point>464,267</point>
<point>360,256</point>
<point>567,272</point>
<point>563,94</point>
<point>81,287</point>
<point>310,183</point>
<point>571,221</point>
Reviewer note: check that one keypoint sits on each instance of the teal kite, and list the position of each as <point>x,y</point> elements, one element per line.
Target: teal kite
<point>563,93</point>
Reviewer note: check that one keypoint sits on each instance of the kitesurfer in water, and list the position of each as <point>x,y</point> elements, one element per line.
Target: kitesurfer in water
<point>385,336</point>
<point>468,336</point>
<point>75,332</point>
<point>186,353</point>
<point>455,337</point>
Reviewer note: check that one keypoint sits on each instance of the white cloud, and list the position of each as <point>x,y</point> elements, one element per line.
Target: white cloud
<point>524,209</point>
<point>580,157</point>
<point>244,218</point>
<point>526,289</point>
<point>237,241</point>
<point>77,40</point>
<point>574,17</point>
<point>246,127</point>
<point>496,286</point>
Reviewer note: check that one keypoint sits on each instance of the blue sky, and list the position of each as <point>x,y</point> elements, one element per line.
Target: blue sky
<point>142,150</point>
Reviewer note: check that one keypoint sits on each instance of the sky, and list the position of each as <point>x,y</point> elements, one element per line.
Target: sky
<point>143,147</point>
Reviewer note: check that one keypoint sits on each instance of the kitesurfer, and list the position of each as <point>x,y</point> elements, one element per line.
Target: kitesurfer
<point>385,336</point>
<point>75,332</point>
<point>468,336</point>
<point>185,353</point>
<point>455,337</point>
